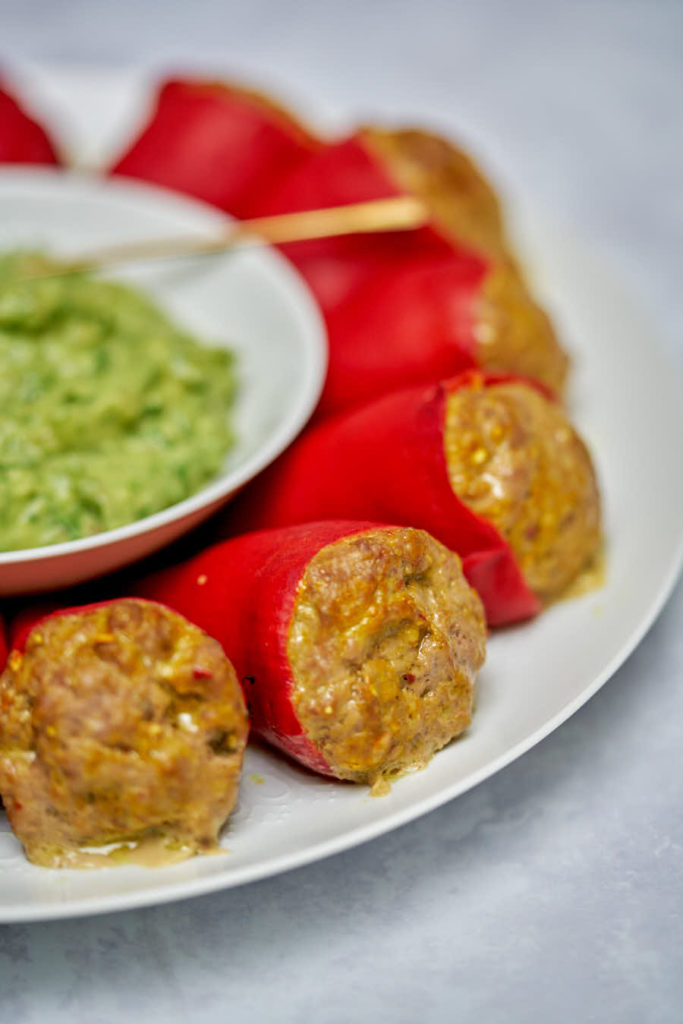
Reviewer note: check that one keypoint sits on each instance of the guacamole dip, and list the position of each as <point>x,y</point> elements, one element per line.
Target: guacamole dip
<point>108,411</point>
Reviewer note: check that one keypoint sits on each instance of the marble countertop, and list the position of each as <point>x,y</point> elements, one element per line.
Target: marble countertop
<point>554,890</point>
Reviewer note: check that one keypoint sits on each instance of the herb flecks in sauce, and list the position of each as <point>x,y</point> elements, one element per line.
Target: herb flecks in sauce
<point>108,411</point>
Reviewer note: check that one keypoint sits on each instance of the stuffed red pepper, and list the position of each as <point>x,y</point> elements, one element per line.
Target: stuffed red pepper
<point>488,464</point>
<point>122,730</point>
<point>357,644</point>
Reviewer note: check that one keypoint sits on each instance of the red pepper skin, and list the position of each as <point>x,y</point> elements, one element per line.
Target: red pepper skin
<point>242,593</point>
<point>221,144</point>
<point>22,140</point>
<point>410,325</point>
<point>386,462</point>
<point>335,268</point>
<point>399,307</point>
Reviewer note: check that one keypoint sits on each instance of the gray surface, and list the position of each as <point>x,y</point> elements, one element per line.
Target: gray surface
<point>553,892</point>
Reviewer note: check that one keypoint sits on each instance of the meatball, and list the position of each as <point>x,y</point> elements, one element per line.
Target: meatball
<point>384,646</point>
<point>123,728</point>
<point>514,458</point>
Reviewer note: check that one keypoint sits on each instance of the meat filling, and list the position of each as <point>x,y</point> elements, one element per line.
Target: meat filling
<point>120,724</point>
<point>514,459</point>
<point>461,199</point>
<point>512,332</point>
<point>385,643</point>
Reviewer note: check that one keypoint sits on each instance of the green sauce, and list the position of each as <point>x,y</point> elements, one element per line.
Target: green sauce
<point>108,411</point>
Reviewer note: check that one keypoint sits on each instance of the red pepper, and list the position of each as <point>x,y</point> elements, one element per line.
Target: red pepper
<point>242,592</point>
<point>399,307</point>
<point>335,268</point>
<point>22,140</point>
<point>410,325</point>
<point>220,143</point>
<point>387,462</point>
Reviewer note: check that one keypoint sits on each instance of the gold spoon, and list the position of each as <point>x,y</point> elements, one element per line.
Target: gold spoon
<point>400,213</point>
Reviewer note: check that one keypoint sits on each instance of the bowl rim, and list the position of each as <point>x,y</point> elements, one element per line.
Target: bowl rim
<point>313,368</point>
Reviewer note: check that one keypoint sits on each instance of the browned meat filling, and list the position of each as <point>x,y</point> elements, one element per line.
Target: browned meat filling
<point>514,458</point>
<point>512,332</point>
<point>461,198</point>
<point>385,643</point>
<point>120,726</point>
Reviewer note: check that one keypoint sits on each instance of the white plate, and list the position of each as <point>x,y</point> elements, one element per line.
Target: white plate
<point>251,301</point>
<point>627,401</point>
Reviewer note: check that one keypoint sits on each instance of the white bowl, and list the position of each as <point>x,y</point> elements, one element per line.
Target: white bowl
<point>251,301</point>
